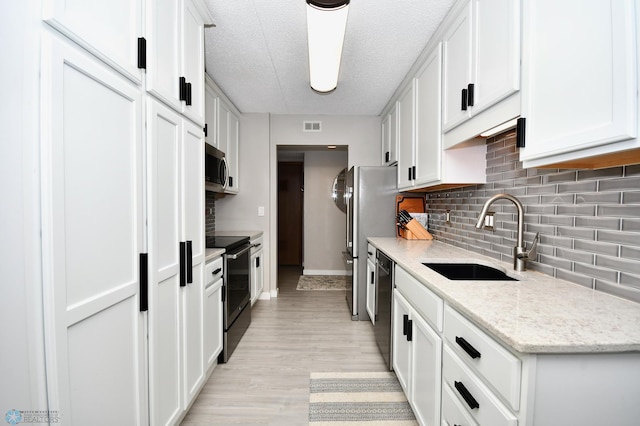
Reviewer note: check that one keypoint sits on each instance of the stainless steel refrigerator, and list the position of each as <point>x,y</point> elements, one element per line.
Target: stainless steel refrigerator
<point>370,196</point>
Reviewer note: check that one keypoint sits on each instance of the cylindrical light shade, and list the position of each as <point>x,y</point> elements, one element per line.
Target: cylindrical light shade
<point>325,33</point>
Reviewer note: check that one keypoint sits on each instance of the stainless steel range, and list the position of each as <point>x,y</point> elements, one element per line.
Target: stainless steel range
<point>236,290</point>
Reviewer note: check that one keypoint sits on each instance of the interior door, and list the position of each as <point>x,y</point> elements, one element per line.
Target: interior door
<point>290,203</point>
<point>92,236</point>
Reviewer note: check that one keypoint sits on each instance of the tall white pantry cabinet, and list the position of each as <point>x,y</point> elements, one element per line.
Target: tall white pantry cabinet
<point>121,203</point>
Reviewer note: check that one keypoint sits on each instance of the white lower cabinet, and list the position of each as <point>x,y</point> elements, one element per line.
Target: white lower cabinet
<point>456,374</point>
<point>417,352</point>
<point>371,284</point>
<point>213,325</point>
<point>257,268</point>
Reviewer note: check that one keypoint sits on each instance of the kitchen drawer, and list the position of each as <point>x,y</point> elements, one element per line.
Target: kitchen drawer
<point>496,365</point>
<point>453,412</point>
<point>371,253</point>
<point>213,271</point>
<point>480,403</point>
<point>423,300</point>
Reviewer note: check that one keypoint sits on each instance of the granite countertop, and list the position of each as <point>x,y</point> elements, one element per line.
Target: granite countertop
<point>251,234</point>
<point>538,314</point>
<point>212,253</point>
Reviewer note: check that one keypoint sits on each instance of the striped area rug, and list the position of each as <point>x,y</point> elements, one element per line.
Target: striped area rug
<point>358,399</point>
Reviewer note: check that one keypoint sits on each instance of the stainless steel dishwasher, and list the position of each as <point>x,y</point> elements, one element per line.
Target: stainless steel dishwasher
<point>384,293</point>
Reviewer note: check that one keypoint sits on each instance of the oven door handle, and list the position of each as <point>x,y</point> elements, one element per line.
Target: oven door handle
<point>234,256</point>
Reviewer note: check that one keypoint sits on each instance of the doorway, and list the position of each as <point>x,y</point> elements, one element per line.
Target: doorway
<point>290,212</point>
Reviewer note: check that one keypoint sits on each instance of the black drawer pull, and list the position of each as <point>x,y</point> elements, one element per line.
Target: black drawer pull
<point>409,330</point>
<point>217,271</point>
<point>405,324</point>
<point>373,276</point>
<point>466,395</point>
<point>473,352</point>
<point>464,100</point>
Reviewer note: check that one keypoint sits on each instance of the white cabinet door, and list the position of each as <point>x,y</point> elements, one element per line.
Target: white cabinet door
<point>164,127</point>
<point>164,50</point>
<point>92,236</point>
<point>580,80</point>
<point>192,182</point>
<point>211,100</point>
<point>193,60</point>
<point>428,133</point>
<point>233,128</point>
<point>401,347</point>
<point>108,28</point>
<point>175,52</point>
<point>457,56</point>
<point>406,137</point>
<point>390,137</point>
<point>426,372</point>
<point>257,275</point>
<point>371,291</point>
<point>212,323</point>
<point>497,56</point>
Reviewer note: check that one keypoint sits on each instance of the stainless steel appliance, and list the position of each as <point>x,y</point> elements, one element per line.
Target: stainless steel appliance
<point>216,170</point>
<point>236,290</point>
<point>384,303</point>
<point>370,196</point>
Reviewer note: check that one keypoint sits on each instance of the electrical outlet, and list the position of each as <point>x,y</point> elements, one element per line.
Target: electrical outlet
<point>260,210</point>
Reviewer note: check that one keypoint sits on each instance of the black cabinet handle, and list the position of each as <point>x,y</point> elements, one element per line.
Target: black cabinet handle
<point>409,177</point>
<point>520,132</point>
<point>466,395</point>
<point>373,277</point>
<point>470,90</point>
<point>183,89</point>
<point>405,324</point>
<point>217,271</point>
<point>183,264</point>
<point>188,98</point>
<point>386,157</point>
<point>413,170</point>
<point>189,262</point>
<point>409,330</point>
<point>463,103</point>
<point>470,350</point>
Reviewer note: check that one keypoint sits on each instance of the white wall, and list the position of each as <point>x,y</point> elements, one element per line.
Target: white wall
<point>240,212</point>
<point>361,134</point>
<point>324,222</point>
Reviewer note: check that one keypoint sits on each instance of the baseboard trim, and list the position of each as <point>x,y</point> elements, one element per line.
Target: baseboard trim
<point>325,272</point>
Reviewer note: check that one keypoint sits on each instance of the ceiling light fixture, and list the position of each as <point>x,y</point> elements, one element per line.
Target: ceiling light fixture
<point>326,24</point>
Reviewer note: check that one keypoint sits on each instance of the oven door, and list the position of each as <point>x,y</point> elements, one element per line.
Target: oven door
<point>237,290</point>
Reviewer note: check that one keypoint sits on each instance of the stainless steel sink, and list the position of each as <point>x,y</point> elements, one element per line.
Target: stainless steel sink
<point>469,271</point>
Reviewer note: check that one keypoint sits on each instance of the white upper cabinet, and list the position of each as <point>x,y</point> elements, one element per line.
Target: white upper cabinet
<point>107,28</point>
<point>406,136</point>
<point>390,137</point>
<point>175,44</point>
<point>457,52</point>
<point>579,79</point>
<point>481,63</point>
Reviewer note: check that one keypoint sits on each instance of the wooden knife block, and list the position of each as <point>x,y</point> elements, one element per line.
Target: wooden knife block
<point>412,204</point>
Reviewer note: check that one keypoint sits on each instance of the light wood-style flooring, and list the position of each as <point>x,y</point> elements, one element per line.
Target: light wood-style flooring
<point>266,381</point>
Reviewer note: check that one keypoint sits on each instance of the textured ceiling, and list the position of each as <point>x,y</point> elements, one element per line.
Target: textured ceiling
<point>257,53</point>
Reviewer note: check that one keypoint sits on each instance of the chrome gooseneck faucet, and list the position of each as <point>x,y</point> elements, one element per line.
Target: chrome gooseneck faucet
<point>520,253</point>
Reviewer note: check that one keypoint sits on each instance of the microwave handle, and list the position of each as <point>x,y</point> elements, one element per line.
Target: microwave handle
<point>226,173</point>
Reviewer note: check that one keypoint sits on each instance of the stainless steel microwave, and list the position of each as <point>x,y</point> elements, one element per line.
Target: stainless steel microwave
<point>216,171</point>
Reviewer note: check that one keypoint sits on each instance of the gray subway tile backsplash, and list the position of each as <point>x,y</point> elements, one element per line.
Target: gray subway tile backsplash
<point>589,220</point>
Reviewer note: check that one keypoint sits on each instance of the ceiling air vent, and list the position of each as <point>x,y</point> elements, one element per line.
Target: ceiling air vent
<point>312,126</point>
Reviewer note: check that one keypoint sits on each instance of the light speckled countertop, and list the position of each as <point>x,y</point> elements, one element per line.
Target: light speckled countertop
<point>212,253</point>
<point>538,314</point>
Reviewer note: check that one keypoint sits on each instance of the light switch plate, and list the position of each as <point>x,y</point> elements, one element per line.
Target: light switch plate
<point>260,210</point>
